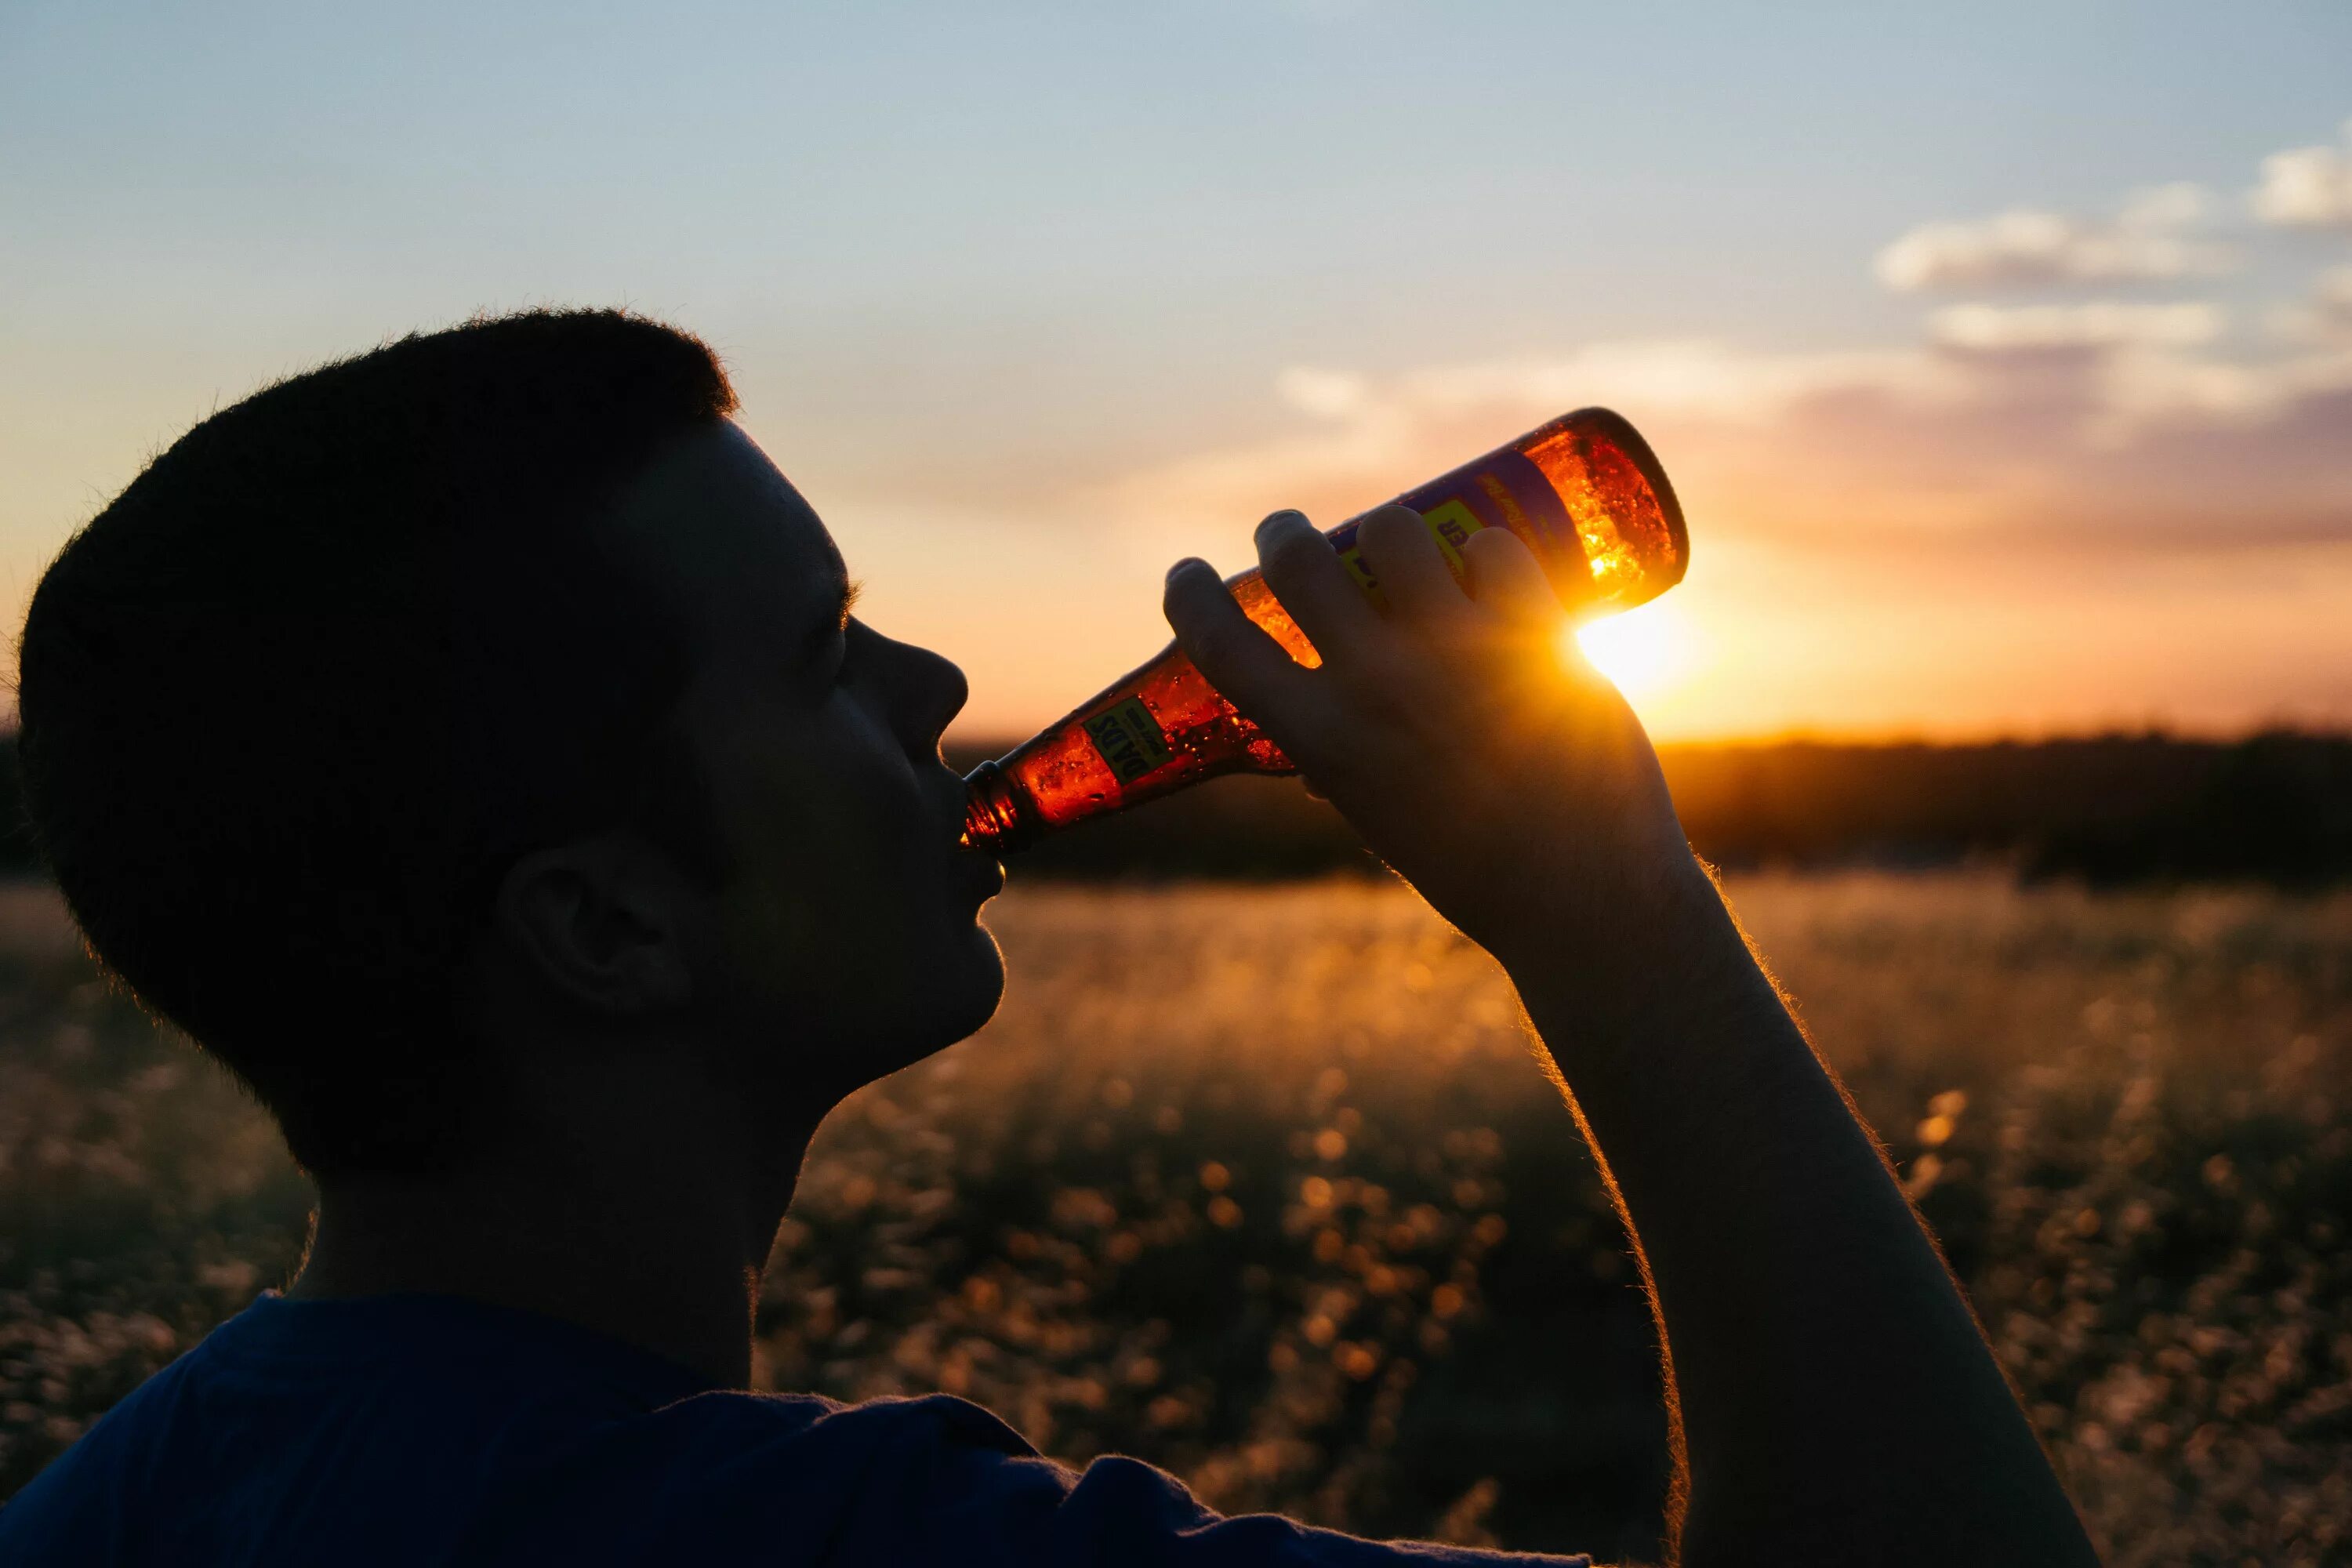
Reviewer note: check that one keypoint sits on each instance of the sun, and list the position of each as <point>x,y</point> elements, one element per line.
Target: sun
<point>1641,651</point>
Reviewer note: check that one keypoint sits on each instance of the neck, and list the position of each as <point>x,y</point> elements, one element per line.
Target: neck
<point>656,1236</point>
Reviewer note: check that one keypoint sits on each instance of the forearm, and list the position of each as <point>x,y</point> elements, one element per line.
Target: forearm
<point>1837,1400</point>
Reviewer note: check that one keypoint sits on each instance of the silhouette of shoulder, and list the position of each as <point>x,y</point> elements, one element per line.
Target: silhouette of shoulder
<point>404,1429</point>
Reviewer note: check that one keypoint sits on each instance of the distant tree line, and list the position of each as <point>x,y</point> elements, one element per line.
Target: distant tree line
<point>2274,808</point>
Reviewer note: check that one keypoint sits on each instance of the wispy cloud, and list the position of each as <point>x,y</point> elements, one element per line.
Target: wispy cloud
<point>2058,505</point>
<point>2323,316</point>
<point>2152,237</point>
<point>2098,324</point>
<point>2308,187</point>
<point>2093,499</point>
<point>2107,426</point>
<point>2331,301</point>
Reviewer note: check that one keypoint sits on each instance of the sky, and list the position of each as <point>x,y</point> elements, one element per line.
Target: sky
<point>2002,354</point>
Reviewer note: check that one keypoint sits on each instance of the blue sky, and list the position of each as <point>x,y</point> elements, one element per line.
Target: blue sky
<point>991,279</point>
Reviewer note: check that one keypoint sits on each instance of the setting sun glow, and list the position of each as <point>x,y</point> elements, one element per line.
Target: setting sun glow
<point>1642,651</point>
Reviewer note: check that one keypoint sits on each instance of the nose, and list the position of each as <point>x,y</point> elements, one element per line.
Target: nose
<point>927,691</point>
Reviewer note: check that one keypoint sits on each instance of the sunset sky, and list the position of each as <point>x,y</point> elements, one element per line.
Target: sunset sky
<point>2002,357</point>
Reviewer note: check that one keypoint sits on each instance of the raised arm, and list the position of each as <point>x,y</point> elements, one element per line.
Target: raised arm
<point>1832,1400</point>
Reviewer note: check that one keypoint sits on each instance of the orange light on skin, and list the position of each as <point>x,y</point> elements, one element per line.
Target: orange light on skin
<point>1642,652</point>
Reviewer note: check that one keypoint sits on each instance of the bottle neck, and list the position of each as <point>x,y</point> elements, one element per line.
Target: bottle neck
<point>996,816</point>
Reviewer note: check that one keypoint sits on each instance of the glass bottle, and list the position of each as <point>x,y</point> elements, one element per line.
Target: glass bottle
<point>1584,491</point>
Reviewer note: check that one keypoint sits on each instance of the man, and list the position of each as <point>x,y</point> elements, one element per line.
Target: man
<point>471,745</point>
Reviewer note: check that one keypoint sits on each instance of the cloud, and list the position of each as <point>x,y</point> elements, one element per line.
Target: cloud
<point>2308,187</point>
<point>2323,316</point>
<point>2143,392</point>
<point>2076,509</point>
<point>2010,446</point>
<point>2024,248</point>
<point>2070,432</point>
<point>2332,300</point>
<point>1697,377</point>
<point>1360,437</point>
<point>1332,394</point>
<point>2103,323</point>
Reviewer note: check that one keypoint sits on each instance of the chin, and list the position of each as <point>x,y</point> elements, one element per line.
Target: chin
<point>973,988</point>
<point>957,995</point>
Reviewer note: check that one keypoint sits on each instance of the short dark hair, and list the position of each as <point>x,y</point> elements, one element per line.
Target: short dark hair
<point>293,701</point>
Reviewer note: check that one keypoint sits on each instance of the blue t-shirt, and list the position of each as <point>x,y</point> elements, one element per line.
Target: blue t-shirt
<point>425,1430</point>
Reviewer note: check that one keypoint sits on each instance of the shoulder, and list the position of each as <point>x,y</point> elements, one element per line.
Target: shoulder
<point>938,1479</point>
<point>1122,1510</point>
<point>806,1439</point>
<point>785,1477</point>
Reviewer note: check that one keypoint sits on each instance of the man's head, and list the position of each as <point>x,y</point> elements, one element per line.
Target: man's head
<point>489,690</point>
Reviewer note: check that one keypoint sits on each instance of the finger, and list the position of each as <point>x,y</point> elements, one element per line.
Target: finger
<point>1506,580</point>
<point>1403,558</point>
<point>1248,668</point>
<point>1313,588</point>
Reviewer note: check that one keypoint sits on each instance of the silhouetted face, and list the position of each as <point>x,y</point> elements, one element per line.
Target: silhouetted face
<point>847,942</point>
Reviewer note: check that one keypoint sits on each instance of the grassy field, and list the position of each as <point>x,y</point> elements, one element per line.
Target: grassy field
<point>1259,1183</point>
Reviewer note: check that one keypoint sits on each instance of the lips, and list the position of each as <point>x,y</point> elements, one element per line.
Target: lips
<point>986,873</point>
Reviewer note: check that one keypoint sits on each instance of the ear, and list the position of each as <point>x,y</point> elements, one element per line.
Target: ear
<point>603,923</point>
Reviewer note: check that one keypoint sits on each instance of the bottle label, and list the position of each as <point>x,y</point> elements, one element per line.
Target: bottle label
<point>1502,490</point>
<point>1449,522</point>
<point>1130,739</point>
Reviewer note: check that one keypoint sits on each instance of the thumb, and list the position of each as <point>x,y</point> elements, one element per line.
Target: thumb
<point>1247,667</point>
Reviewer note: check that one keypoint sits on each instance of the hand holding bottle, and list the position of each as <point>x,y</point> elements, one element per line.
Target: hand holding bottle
<point>1492,768</point>
<point>1583,492</point>
<point>1806,1317</point>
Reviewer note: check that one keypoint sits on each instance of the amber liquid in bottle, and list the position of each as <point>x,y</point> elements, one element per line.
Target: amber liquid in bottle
<point>1584,492</point>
